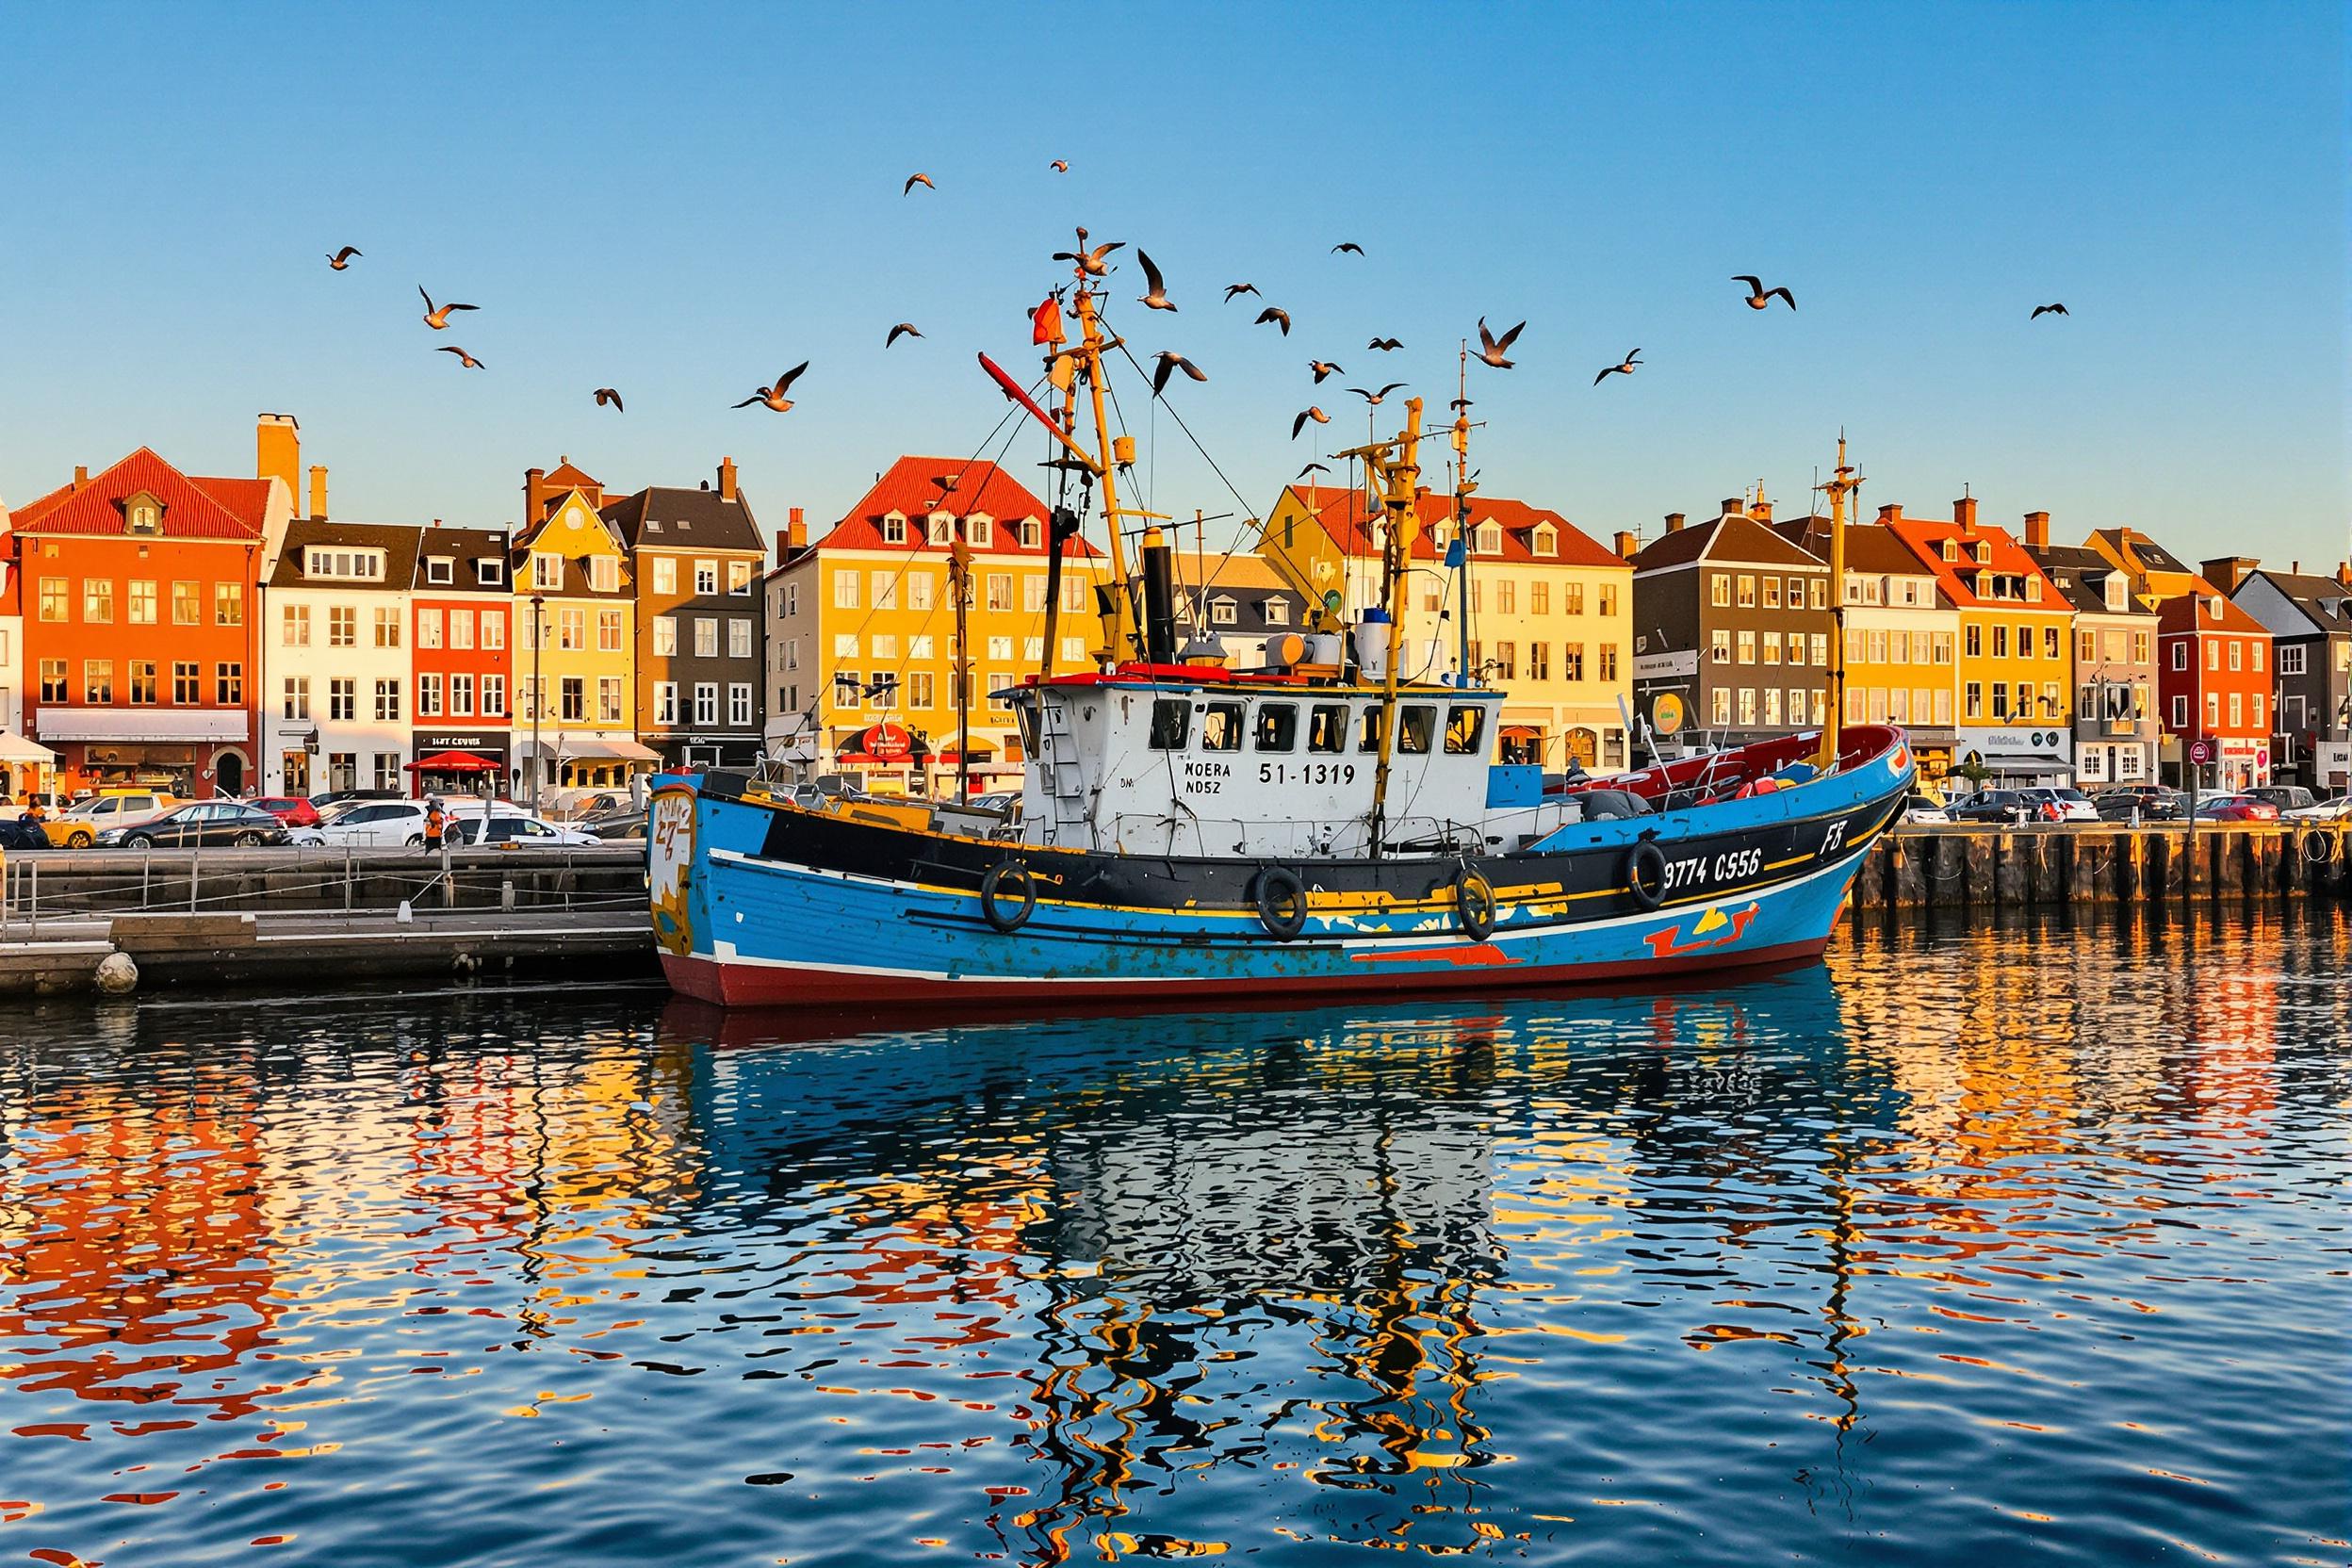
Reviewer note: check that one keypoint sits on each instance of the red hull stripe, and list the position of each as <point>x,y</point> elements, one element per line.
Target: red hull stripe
<point>783,985</point>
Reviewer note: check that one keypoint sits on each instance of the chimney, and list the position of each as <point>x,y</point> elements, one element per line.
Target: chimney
<point>1761,509</point>
<point>1891,512</point>
<point>1674,522</point>
<point>1628,544</point>
<point>1733,507</point>
<point>2037,530</point>
<point>2225,572</point>
<point>726,478</point>
<point>318,489</point>
<point>1964,513</point>
<point>796,529</point>
<point>81,475</point>
<point>534,494</point>
<point>2344,574</point>
<point>278,454</point>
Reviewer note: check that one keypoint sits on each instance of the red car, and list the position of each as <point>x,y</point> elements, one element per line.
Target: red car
<point>2236,809</point>
<point>293,810</point>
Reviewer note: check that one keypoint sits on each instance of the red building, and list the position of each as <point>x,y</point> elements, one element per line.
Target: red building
<point>141,652</point>
<point>2214,681</point>
<point>462,660</point>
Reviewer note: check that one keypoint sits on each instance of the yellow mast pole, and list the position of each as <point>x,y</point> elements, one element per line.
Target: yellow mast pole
<point>1841,485</point>
<point>1116,629</point>
<point>1398,481</point>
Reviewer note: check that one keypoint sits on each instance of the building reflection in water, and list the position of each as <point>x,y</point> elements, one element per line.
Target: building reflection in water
<point>1440,1278</point>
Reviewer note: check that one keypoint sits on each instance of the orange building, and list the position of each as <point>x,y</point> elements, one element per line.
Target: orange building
<point>141,632</point>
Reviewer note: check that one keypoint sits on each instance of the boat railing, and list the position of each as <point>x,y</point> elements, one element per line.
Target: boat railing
<point>1181,833</point>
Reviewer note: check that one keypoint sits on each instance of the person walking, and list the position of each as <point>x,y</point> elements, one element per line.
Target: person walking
<point>436,821</point>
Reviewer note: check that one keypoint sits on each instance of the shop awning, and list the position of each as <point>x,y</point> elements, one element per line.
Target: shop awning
<point>2026,764</point>
<point>585,748</point>
<point>454,761</point>
<point>167,725</point>
<point>16,748</point>
<point>1522,732</point>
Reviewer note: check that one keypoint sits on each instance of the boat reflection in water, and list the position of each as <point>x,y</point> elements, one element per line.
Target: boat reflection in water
<point>1913,1256</point>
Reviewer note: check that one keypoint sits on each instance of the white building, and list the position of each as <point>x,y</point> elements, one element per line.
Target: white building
<point>337,708</point>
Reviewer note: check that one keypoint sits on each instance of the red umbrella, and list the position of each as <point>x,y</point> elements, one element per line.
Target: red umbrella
<point>453,762</point>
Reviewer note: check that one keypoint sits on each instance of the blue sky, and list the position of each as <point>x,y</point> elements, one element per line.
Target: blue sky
<point>682,201</point>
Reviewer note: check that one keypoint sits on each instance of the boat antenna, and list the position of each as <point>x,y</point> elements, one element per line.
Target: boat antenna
<point>1844,481</point>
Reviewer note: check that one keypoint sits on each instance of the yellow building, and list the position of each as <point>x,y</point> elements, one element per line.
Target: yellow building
<point>1548,615</point>
<point>575,720</point>
<point>861,627</point>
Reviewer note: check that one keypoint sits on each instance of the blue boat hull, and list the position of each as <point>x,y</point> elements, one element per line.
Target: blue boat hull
<point>759,902</point>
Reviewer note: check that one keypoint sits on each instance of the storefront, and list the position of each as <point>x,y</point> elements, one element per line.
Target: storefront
<point>2016,758</point>
<point>572,765</point>
<point>2242,764</point>
<point>458,762</point>
<point>192,753</point>
<point>25,769</point>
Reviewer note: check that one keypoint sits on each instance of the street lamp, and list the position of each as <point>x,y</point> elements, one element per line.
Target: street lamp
<point>538,689</point>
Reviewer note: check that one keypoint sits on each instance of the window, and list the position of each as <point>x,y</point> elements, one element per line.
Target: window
<point>428,628</point>
<point>187,684</point>
<point>738,637</point>
<point>1796,646</point>
<point>706,577</point>
<point>461,696</point>
<point>1172,724</point>
<point>979,531</point>
<point>1747,590</point>
<point>2001,700</point>
<point>387,701</point>
<point>1747,646</point>
<point>571,629</point>
<point>144,514</point>
<point>1368,727</point>
<point>52,599</point>
<point>2291,659</point>
<point>1032,535</point>
<point>492,629</point>
<point>845,590</point>
<point>2051,643</point>
<point>1540,662</point>
<point>1721,591</point>
<point>739,702</point>
<point>1719,645</point>
<point>1073,650</point>
<point>428,697</point>
<point>440,570</point>
<point>665,575</point>
<point>228,604</point>
<point>604,574</point>
<point>999,647</point>
<point>1506,597</point>
<point>53,684</point>
<point>1747,705</point>
<point>2255,712</point>
<point>1546,540</point>
<point>342,625</point>
<point>705,702</point>
<point>187,604</point>
<point>1224,611</point>
<point>228,682</point>
<point>706,637</point>
<point>1608,598</point>
<point>610,636</point>
<point>1974,703</point>
<point>1973,637</point>
<point>2256,648</point>
<point>2086,648</point>
<point>490,573</point>
<point>2237,709</point>
<point>941,530</point>
<point>1327,729</point>
<point>493,695</point>
<point>1506,661</point>
<point>1772,648</point>
<point>142,672</point>
<point>387,626</point>
<point>920,688</point>
<point>1772,706</point>
<point>1719,710</point>
<point>2213,655</point>
<point>2236,652</point>
<point>1464,723</point>
<point>547,571</point>
<point>609,698</point>
<point>739,577</point>
<point>357,565</point>
<point>142,610</point>
<point>98,599</point>
<point>1488,539</point>
<point>1277,727</point>
<point>1609,660</point>
<point>1772,592</point>
<point>1416,727</point>
<point>2180,654</point>
<point>893,529</point>
<point>664,636</point>
<point>1075,594</point>
<point>2001,645</point>
<point>293,703</point>
<point>572,699</point>
<point>1000,591</point>
<point>1221,726</point>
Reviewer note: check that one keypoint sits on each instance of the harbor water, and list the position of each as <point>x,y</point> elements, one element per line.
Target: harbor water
<point>2017,1243</point>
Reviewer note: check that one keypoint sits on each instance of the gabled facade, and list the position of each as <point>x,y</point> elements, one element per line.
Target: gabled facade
<point>695,558</point>
<point>862,628</point>
<point>2117,732</point>
<point>2155,572</point>
<point>1538,608</point>
<point>574,723</point>
<point>2015,662</point>
<point>1733,628</point>
<point>2213,678</point>
<point>142,654</point>
<point>2310,622</point>
<point>1238,600</point>
<point>461,647</point>
<point>336,681</point>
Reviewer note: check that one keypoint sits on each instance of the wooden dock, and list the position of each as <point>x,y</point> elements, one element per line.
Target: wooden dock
<point>2102,863</point>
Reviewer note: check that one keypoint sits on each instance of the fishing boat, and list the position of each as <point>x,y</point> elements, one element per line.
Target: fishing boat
<point>1319,825</point>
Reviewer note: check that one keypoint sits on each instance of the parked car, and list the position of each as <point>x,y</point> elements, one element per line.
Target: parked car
<point>617,825</point>
<point>2319,811</point>
<point>337,797</point>
<point>200,822</point>
<point>2236,809</point>
<point>293,810</point>
<point>2008,806</point>
<point>2153,802</point>
<point>2059,804</point>
<point>2287,798</point>
<point>1924,808</point>
<point>375,823</point>
<point>17,834</point>
<point>518,830</point>
<point>80,825</point>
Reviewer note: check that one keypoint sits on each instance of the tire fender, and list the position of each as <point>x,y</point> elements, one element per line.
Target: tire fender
<point>1281,900</point>
<point>1645,873</point>
<point>1024,888</point>
<point>1474,904</point>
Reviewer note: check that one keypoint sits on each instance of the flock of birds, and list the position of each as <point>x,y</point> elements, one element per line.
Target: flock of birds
<point>1095,262</point>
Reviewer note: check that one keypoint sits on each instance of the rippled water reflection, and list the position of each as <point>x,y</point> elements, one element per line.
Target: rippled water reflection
<point>1967,1248</point>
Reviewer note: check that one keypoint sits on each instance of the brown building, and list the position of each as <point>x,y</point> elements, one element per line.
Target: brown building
<point>1731,622</point>
<point>695,558</point>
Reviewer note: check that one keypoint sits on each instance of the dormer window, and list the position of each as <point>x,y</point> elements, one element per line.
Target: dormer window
<point>894,528</point>
<point>2114,590</point>
<point>1546,540</point>
<point>1983,552</point>
<point>2033,590</point>
<point>1223,611</point>
<point>440,570</point>
<point>547,571</point>
<point>490,573</point>
<point>342,563</point>
<point>942,533</point>
<point>1488,539</point>
<point>653,524</point>
<point>1032,533</point>
<point>1952,550</point>
<point>980,531</point>
<point>144,514</point>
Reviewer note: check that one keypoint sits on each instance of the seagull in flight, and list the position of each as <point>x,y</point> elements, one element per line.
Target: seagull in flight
<point>1759,297</point>
<point>1632,361</point>
<point>1168,364</point>
<point>1091,262</point>
<point>606,394</point>
<point>1059,166</point>
<point>1154,296</point>
<point>464,360</point>
<point>774,395</point>
<point>437,316</point>
<point>342,258</point>
<point>1324,367</point>
<point>1349,246</point>
<point>1275,314</point>
<point>914,180</point>
<point>1492,348</point>
<point>905,328</point>
<point>1312,469</point>
<point>1234,288</point>
<point>1301,422</point>
<point>1372,399</point>
<point>1385,345</point>
<point>2040,311</point>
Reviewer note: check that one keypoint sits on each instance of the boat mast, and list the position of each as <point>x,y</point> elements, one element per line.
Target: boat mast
<point>1118,616</point>
<point>1399,477</point>
<point>1464,484</point>
<point>1842,483</point>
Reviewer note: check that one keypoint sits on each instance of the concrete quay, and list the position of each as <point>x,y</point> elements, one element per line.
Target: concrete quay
<point>2085,863</point>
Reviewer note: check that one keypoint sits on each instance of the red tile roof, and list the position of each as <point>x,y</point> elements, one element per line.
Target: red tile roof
<point>568,476</point>
<point>192,508</point>
<point>2195,612</point>
<point>1346,516</point>
<point>1925,537</point>
<point>907,489</point>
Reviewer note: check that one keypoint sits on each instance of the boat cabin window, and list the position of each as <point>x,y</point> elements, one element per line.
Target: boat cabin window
<point>1172,724</point>
<point>1368,729</point>
<point>1221,726</point>
<point>1414,727</point>
<point>1025,719</point>
<point>1464,722</point>
<point>1278,727</point>
<point>1327,730</point>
